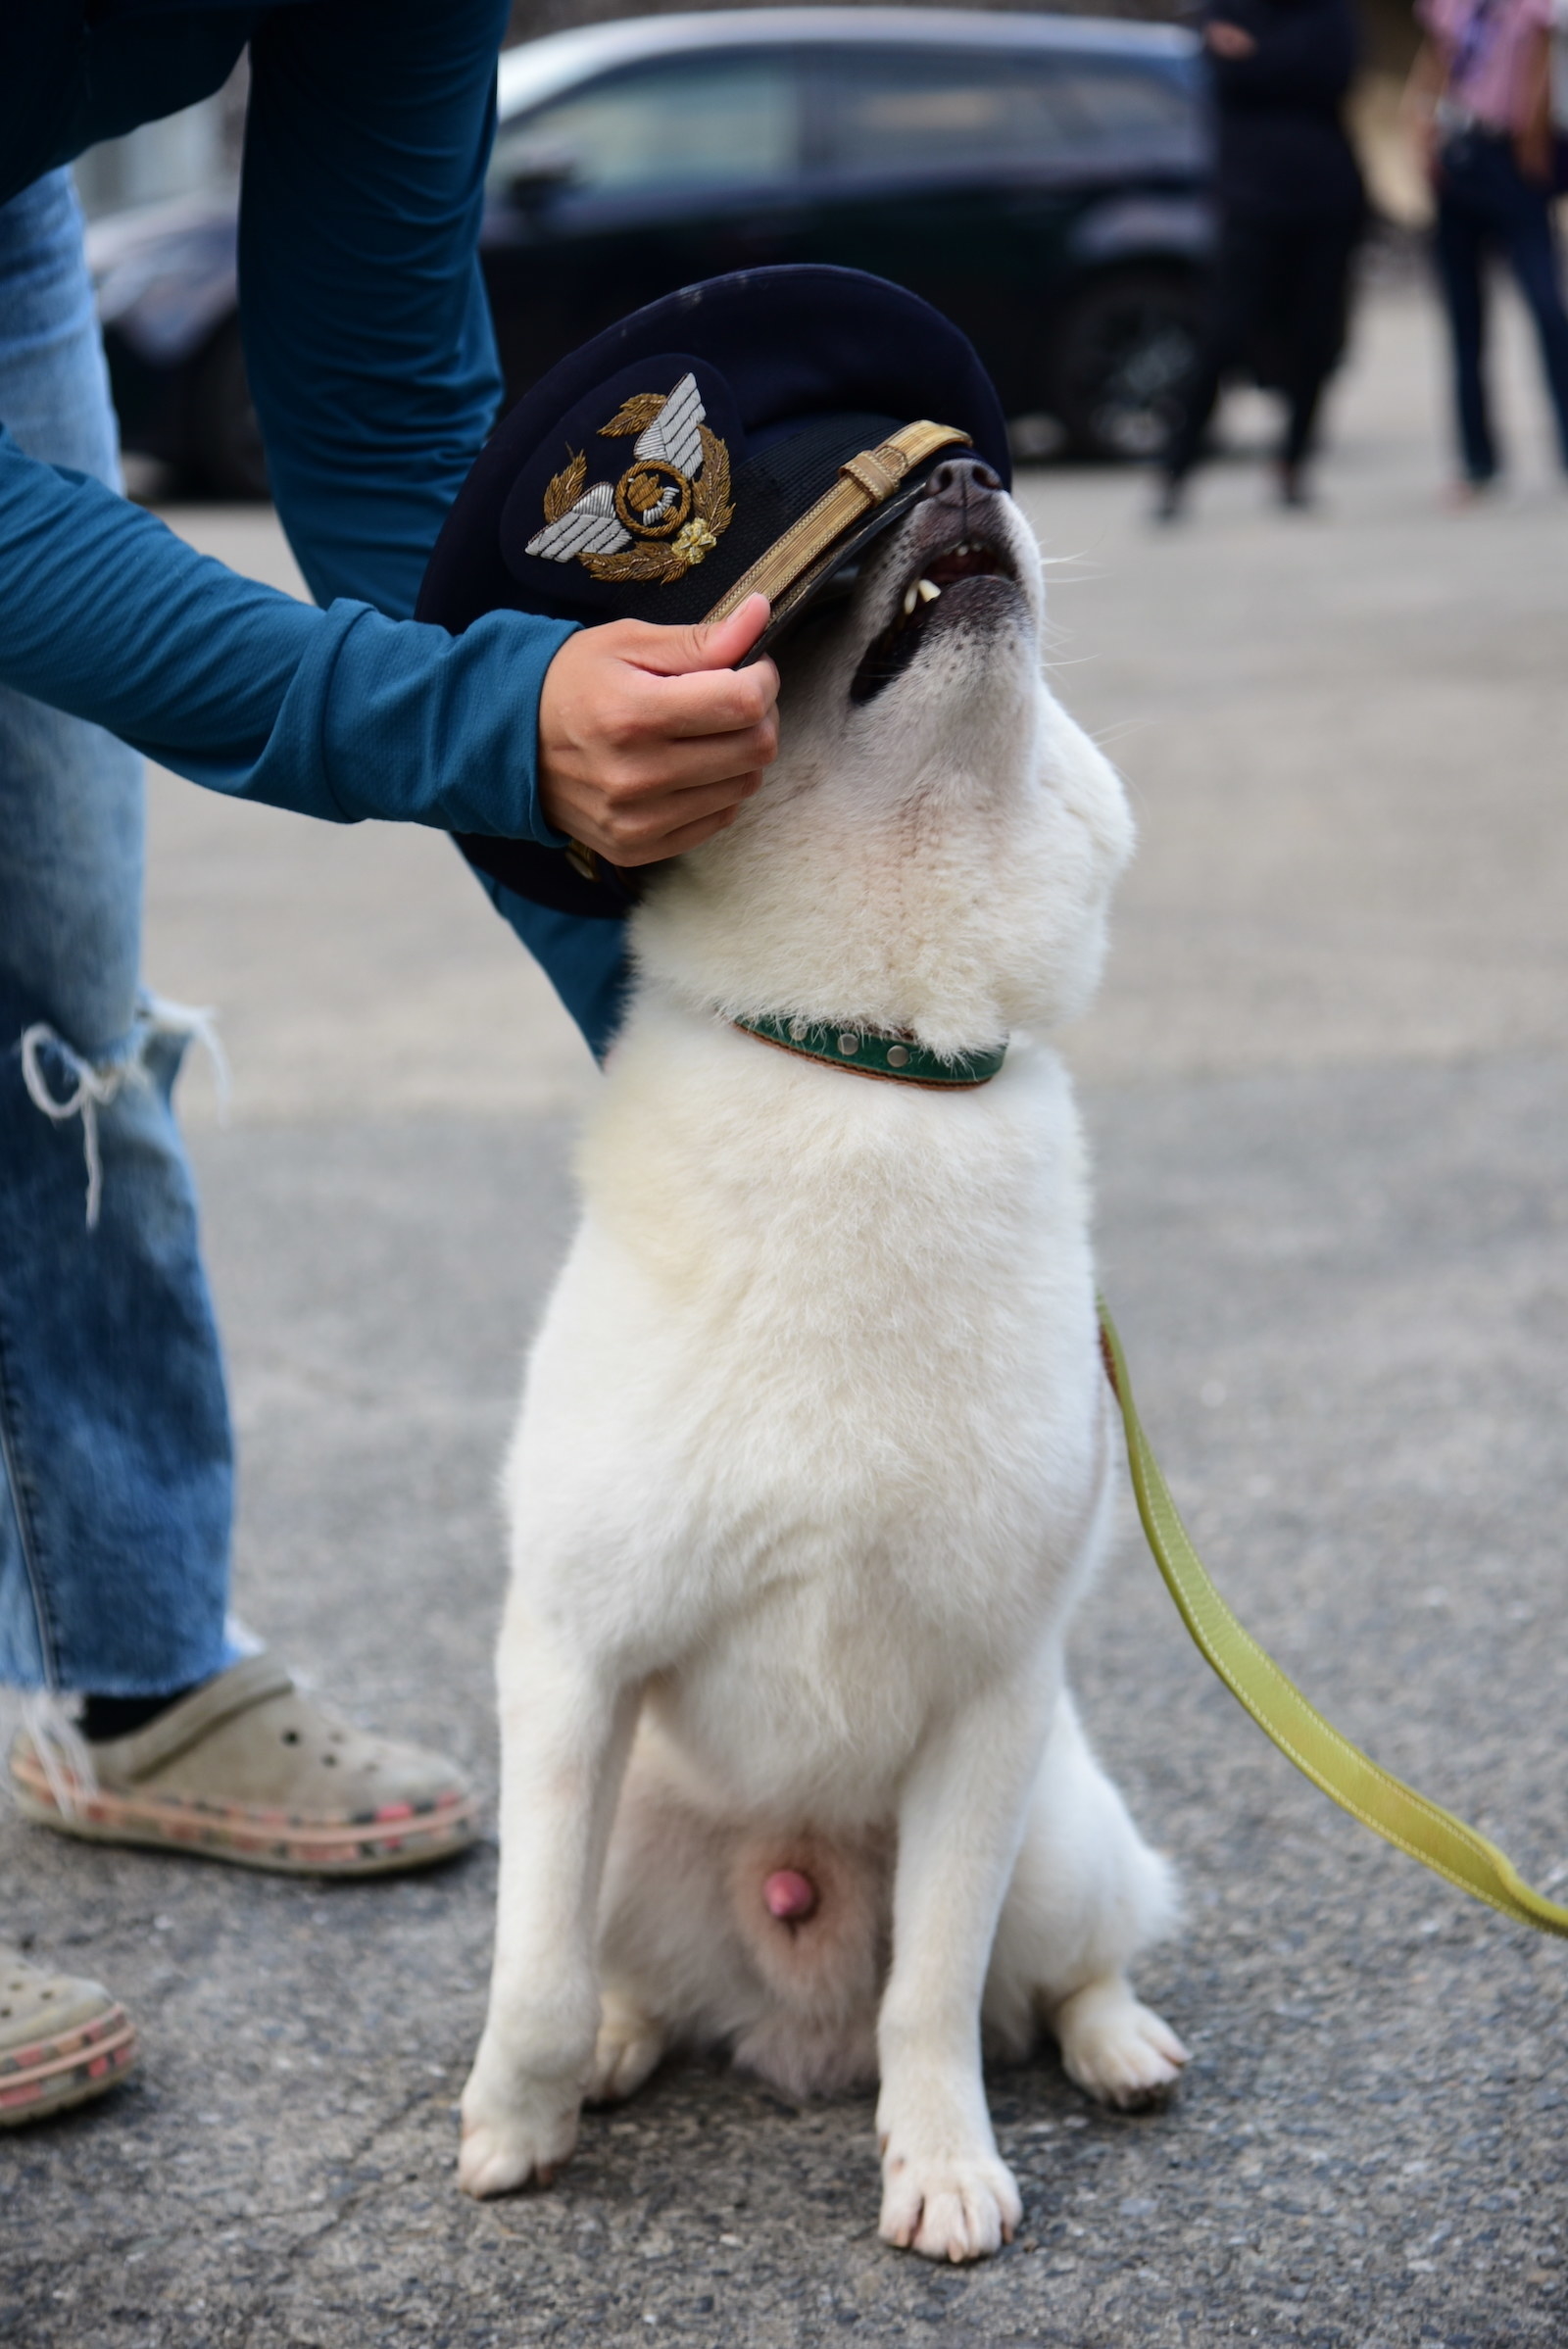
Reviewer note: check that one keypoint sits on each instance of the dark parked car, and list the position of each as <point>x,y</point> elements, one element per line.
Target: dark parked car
<point>1040,178</point>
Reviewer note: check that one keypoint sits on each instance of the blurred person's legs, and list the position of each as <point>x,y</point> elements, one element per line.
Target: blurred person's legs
<point>1485,199</point>
<point>1238,294</point>
<point>1320,258</point>
<point>1466,225</point>
<point>115,1478</point>
<point>116,1469</point>
<point>1527,234</point>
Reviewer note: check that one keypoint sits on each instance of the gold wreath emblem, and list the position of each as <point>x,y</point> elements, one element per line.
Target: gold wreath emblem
<point>711,516</point>
<point>672,502</point>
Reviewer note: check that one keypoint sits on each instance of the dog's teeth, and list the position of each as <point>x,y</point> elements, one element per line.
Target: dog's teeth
<point>908,599</point>
<point>926,591</point>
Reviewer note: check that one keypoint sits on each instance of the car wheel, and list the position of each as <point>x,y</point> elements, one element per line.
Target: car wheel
<point>1125,354</point>
<point>226,439</point>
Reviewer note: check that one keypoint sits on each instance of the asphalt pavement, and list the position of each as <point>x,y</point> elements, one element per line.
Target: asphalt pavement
<point>1328,1087</point>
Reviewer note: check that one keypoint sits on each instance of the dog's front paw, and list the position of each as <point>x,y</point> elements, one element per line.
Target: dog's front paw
<point>947,2206</point>
<point>1118,2050</point>
<point>516,2140</point>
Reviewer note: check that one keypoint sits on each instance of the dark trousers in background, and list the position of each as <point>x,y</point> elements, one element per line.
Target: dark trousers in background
<point>1484,203</point>
<point>1278,299</point>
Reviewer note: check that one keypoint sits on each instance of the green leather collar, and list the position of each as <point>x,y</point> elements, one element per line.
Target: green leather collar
<point>873,1053</point>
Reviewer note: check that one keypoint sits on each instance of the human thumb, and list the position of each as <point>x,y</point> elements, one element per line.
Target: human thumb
<point>707,644</point>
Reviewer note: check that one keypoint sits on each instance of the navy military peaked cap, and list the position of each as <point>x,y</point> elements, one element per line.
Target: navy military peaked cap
<point>748,434</point>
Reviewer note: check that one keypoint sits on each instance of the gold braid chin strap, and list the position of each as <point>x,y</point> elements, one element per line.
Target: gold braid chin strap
<point>1381,1802</point>
<point>864,481</point>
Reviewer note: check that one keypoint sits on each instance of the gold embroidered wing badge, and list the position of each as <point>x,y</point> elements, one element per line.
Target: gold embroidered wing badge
<point>665,513</point>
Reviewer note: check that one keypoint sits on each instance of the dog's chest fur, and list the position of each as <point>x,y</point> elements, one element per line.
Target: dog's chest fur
<point>849,1305</point>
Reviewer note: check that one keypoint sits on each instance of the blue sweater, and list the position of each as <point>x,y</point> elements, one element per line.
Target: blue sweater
<point>370,350</point>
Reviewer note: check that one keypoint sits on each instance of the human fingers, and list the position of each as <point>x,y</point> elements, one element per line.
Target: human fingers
<point>647,686</point>
<point>682,652</point>
<point>690,835</point>
<point>600,695</point>
<point>716,702</point>
<point>653,765</point>
<point>641,827</point>
<point>666,824</point>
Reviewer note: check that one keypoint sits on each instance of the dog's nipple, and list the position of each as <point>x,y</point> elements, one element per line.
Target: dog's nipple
<point>791,1897</point>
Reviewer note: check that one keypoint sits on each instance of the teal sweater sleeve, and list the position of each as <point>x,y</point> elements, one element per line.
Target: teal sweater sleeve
<point>368,337</point>
<point>371,356</point>
<point>341,713</point>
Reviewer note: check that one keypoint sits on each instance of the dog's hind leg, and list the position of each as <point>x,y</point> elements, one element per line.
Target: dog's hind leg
<point>1086,1895</point>
<point>630,2045</point>
<point>566,1729</point>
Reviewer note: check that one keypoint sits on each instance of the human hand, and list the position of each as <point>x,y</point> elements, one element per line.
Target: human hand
<point>1418,108</point>
<point>1533,145</point>
<point>648,736</point>
<point>1228,40</point>
<point>1533,153</point>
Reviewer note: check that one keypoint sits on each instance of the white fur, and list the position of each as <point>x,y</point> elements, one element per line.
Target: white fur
<point>814,1458</point>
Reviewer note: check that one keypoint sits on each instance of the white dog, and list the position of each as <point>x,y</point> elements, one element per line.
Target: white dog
<point>815,1456</point>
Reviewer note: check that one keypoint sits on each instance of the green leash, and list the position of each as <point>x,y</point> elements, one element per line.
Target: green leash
<point>1384,1803</point>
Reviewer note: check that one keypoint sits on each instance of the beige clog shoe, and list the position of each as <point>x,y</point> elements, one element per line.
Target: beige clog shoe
<point>249,1769</point>
<point>62,2040</point>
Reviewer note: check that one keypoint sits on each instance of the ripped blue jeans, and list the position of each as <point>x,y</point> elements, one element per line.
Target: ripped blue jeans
<point>116,1459</point>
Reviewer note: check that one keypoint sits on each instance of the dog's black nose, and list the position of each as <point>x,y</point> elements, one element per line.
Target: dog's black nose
<point>961,473</point>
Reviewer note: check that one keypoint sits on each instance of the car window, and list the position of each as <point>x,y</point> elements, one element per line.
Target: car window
<point>936,110</point>
<point>678,122</point>
<point>1126,101</point>
<point>933,112</point>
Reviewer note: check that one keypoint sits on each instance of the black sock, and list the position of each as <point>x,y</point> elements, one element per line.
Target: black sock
<point>106,1717</point>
